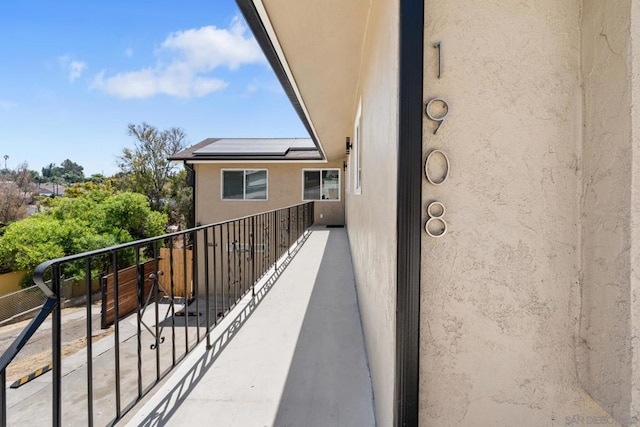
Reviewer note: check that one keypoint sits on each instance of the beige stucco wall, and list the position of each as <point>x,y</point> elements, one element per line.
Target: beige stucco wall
<point>284,189</point>
<point>501,294</point>
<point>371,216</point>
<point>610,206</point>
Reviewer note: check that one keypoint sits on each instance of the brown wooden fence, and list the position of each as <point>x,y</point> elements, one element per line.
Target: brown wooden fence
<point>128,283</point>
<point>127,292</point>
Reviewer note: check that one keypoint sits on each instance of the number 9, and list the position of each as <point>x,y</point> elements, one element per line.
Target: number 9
<point>440,119</point>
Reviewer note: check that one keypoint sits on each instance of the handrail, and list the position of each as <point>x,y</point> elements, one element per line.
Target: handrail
<point>52,304</point>
<point>22,339</point>
<point>52,298</point>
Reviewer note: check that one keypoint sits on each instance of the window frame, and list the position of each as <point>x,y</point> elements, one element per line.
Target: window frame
<point>244,184</point>
<point>320,170</point>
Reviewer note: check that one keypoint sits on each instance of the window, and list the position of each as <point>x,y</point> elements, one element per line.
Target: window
<point>357,151</point>
<point>249,184</point>
<point>321,184</point>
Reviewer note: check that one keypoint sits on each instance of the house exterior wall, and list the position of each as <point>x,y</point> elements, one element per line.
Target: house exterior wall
<point>501,291</point>
<point>284,189</point>
<point>371,215</point>
<point>610,318</point>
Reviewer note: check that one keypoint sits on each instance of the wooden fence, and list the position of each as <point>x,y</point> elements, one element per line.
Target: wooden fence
<point>128,283</point>
<point>127,292</point>
<point>179,272</point>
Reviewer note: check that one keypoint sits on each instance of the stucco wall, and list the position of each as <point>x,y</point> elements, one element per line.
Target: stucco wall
<point>371,216</point>
<point>501,290</point>
<point>610,206</point>
<point>284,189</point>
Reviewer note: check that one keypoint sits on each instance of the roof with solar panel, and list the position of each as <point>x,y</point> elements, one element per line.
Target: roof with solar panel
<point>251,149</point>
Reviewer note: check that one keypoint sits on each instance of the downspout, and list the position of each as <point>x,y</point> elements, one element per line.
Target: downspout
<point>409,212</point>
<point>191,182</point>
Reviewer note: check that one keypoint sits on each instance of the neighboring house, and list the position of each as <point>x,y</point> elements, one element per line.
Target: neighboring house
<point>239,177</point>
<point>525,312</point>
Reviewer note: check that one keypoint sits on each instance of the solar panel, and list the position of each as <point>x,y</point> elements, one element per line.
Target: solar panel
<point>253,146</point>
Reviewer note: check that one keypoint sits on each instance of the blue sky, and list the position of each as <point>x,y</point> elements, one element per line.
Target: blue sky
<point>74,73</point>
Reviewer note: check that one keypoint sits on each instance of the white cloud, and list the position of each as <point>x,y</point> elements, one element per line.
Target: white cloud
<point>75,69</point>
<point>185,62</point>
<point>72,67</point>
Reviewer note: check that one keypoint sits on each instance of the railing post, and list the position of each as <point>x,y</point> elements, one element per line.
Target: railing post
<point>56,349</point>
<point>186,292</point>
<point>289,227</point>
<point>156,311</point>
<point>116,329</point>
<point>140,279</point>
<point>89,324</point>
<point>215,275</point>
<point>207,315</point>
<point>173,307</point>
<point>253,256</point>
<point>196,281</point>
<point>298,222</point>
<point>275,230</point>
<point>3,397</point>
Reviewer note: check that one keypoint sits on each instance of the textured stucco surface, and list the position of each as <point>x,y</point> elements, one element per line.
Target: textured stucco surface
<point>635,209</point>
<point>609,322</point>
<point>501,291</point>
<point>371,216</point>
<point>284,189</point>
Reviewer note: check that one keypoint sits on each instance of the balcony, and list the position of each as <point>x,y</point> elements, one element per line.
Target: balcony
<point>272,336</point>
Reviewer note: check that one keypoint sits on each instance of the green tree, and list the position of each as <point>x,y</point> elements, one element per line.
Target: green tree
<point>67,173</point>
<point>147,165</point>
<point>91,220</point>
<point>72,172</point>
<point>180,200</point>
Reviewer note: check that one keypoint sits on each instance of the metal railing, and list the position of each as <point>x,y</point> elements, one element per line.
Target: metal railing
<point>228,259</point>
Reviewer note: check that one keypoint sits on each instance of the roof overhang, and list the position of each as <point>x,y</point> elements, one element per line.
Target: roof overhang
<point>315,49</point>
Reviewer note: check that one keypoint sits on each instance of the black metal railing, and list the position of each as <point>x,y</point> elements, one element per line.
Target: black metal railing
<point>216,265</point>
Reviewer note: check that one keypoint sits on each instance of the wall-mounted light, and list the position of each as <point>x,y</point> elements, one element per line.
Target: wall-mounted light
<point>348,145</point>
<point>344,165</point>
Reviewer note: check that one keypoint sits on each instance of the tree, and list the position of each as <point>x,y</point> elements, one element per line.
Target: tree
<point>23,178</point>
<point>72,172</point>
<point>67,173</point>
<point>15,193</point>
<point>12,204</point>
<point>94,219</point>
<point>147,165</point>
<point>180,206</point>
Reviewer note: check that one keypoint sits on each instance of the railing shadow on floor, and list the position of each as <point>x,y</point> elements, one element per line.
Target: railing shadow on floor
<point>166,408</point>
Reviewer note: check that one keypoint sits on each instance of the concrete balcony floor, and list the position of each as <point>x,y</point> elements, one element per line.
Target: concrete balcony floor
<point>294,355</point>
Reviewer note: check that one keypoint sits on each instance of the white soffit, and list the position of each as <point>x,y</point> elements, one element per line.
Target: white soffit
<point>319,43</point>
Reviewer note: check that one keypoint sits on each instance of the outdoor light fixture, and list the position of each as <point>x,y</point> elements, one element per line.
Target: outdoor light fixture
<point>344,165</point>
<point>348,145</point>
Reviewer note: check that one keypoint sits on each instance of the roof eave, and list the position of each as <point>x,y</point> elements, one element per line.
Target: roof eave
<point>277,62</point>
